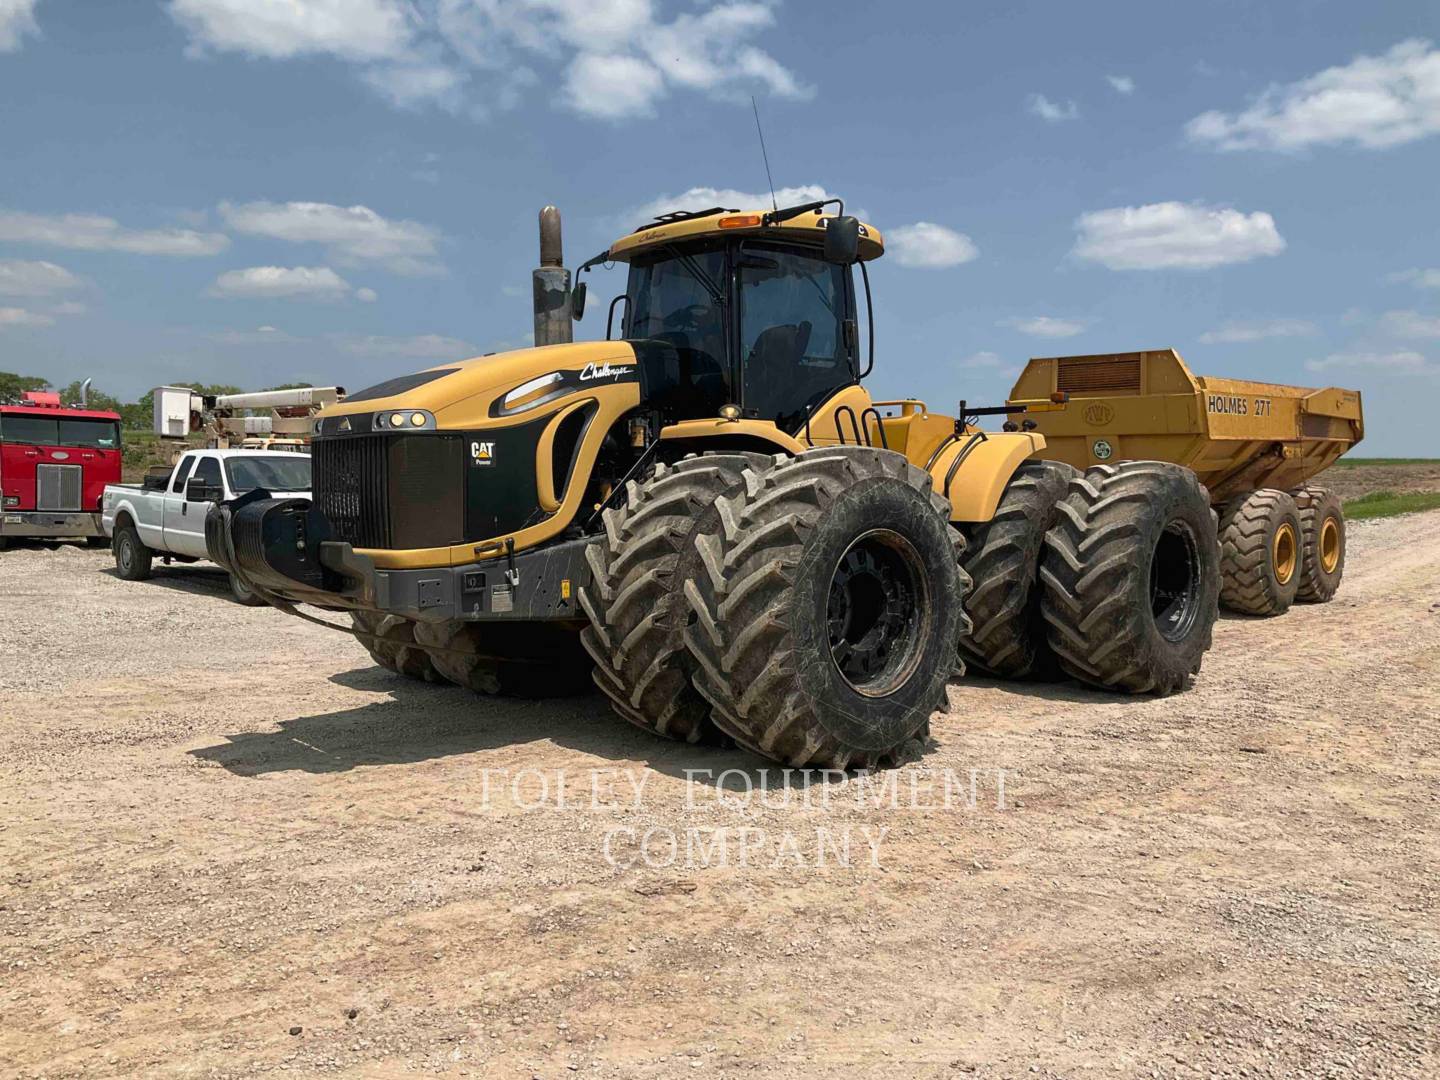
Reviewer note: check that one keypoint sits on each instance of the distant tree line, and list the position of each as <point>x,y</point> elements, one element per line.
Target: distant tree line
<point>136,415</point>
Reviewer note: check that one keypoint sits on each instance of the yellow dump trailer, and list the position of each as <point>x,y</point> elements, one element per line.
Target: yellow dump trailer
<point>1256,447</point>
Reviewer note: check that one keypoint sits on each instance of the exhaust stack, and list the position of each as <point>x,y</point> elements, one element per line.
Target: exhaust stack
<point>551,282</point>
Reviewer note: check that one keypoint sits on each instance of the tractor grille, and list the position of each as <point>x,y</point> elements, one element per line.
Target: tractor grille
<point>391,491</point>
<point>1098,376</point>
<point>57,487</point>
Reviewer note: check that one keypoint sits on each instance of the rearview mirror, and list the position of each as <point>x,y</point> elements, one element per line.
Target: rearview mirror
<point>577,302</point>
<point>197,490</point>
<point>842,240</point>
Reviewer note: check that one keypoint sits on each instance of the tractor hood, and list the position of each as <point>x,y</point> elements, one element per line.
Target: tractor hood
<point>475,393</point>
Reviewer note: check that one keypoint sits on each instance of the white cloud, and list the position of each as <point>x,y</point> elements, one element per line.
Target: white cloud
<point>612,87</point>
<point>91,232</point>
<point>1373,102</point>
<point>281,29</point>
<point>1410,324</point>
<point>703,198</point>
<point>1421,279</point>
<point>1050,111</point>
<point>1407,362</point>
<point>280,282</point>
<point>1173,235</point>
<point>1122,84</point>
<point>19,277</point>
<point>261,335</point>
<point>350,234</point>
<point>1046,326</point>
<point>1237,332</point>
<point>420,347</point>
<point>366,296</point>
<point>14,316</point>
<point>17,18</point>
<point>928,246</point>
<point>982,359</point>
<point>613,59</point>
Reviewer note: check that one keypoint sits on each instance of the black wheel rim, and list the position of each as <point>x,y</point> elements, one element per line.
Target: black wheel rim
<point>1175,582</point>
<point>877,612</point>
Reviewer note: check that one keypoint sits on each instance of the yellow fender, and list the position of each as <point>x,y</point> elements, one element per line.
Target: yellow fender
<point>986,462</point>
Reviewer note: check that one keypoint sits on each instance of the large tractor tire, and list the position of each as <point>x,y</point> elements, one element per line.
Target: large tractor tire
<point>390,640</point>
<point>1260,552</point>
<point>637,606</point>
<point>1002,558</point>
<point>1322,529</point>
<point>1132,577</point>
<point>828,609</point>
<point>520,659</point>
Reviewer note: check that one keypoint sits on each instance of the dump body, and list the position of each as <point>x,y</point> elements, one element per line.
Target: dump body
<point>1238,436</point>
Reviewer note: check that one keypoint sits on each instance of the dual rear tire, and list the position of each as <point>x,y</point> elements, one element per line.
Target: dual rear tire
<point>1278,547</point>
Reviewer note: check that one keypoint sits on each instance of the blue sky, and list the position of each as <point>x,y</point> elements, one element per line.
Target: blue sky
<point>258,191</point>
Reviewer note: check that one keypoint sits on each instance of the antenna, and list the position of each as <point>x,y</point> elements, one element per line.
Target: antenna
<point>763,155</point>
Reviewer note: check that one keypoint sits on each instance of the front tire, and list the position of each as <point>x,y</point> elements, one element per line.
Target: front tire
<point>519,659</point>
<point>132,558</point>
<point>1132,577</point>
<point>1003,560</point>
<point>243,593</point>
<point>390,641</point>
<point>828,609</point>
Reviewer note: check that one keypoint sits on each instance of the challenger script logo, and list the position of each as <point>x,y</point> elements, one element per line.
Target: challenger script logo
<point>589,373</point>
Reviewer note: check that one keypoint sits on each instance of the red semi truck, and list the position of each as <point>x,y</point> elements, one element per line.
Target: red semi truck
<point>55,461</point>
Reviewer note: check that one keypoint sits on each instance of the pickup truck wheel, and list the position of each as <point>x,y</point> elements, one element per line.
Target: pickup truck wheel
<point>243,593</point>
<point>132,558</point>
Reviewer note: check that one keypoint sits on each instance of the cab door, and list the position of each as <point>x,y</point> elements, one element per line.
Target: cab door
<point>173,511</point>
<point>188,537</point>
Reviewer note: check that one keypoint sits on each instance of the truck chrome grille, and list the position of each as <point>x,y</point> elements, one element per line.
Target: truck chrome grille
<point>57,487</point>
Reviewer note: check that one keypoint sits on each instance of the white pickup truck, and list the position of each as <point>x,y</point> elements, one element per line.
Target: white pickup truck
<point>165,515</point>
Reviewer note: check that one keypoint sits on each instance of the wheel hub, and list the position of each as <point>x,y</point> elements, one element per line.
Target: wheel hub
<point>1329,545</point>
<point>876,609</point>
<point>1283,553</point>
<point>1175,582</point>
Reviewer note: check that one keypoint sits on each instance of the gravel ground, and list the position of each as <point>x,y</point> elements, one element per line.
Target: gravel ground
<point>229,846</point>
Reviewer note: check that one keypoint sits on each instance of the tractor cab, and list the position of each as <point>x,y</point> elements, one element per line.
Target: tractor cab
<point>752,314</point>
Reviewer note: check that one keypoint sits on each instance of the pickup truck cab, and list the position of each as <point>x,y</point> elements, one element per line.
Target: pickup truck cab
<point>165,515</point>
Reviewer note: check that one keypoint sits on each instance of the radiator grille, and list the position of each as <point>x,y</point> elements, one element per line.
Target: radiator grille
<point>57,487</point>
<point>391,491</point>
<point>350,479</point>
<point>1099,376</point>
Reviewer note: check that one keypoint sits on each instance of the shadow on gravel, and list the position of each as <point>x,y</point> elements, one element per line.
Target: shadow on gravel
<point>1069,691</point>
<point>429,721</point>
<point>203,580</point>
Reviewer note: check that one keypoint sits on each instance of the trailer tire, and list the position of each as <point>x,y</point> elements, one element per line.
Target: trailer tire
<point>1322,527</point>
<point>1260,552</point>
<point>1132,578</point>
<point>390,641</point>
<point>243,594</point>
<point>507,659</point>
<point>828,608</point>
<point>132,558</point>
<point>1003,560</point>
<point>636,604</point>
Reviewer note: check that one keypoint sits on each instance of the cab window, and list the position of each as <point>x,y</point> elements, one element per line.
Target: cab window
<point>182,473</point>
<point>208,472</point>
<point>674,298</point>
<point>792,339</point>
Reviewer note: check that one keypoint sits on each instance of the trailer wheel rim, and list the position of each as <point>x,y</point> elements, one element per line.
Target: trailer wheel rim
<point>1284,553</point>
<point>1329,545</point>
<point>878,612</point>
<point>1175,582</point>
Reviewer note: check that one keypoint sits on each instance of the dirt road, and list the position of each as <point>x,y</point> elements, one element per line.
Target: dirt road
<point>230,847</point>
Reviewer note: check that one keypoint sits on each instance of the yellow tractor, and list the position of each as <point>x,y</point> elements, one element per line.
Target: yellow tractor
<point>713,509</point>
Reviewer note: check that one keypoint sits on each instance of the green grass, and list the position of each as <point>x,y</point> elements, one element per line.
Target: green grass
<point>1364,461</point>
<point>1383,504</point>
